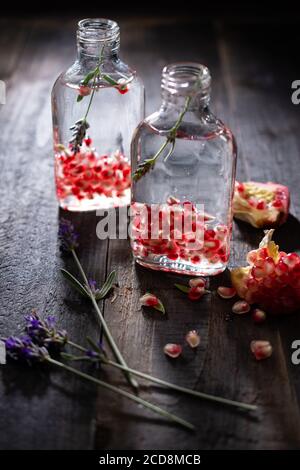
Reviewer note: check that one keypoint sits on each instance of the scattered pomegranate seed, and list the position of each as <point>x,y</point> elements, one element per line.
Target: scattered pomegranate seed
<point>173,350</point>
<point>240,307</point>
<point>259,316</point>
<point>261,349</point>
<point>150,300</point>
<point>193,339</point>
<point>226,292</point>
<point>195,293</point>
<point>197,282</point>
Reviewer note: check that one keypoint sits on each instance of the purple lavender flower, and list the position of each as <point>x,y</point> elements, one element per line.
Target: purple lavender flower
<point>67,235</point>
<point>24,349</point>
<point>44,332</point>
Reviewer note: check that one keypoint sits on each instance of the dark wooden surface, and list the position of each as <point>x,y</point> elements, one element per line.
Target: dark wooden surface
<point>252,66</point>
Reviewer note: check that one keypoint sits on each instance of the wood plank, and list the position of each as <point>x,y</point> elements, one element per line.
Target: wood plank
<point>48,410</point>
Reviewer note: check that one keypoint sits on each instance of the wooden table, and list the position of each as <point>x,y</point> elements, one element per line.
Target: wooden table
<point>252,66</point>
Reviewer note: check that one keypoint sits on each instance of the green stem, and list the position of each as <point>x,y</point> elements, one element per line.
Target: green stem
<point>144,167</point>
<point>97,74</point>
<point>123,393</point>
<point>188,391</point>
<point>106,331</point>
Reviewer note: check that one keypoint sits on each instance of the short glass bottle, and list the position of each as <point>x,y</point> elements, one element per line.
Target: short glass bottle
<point>183,162</point>
<point>96,105</point>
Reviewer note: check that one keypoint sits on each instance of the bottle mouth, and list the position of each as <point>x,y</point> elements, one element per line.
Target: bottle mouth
<point>186,78</point>
<point>97,30</point>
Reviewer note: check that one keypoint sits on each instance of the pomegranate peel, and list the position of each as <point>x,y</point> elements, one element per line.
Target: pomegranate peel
<point>272,279</point>
<point>261,204</point>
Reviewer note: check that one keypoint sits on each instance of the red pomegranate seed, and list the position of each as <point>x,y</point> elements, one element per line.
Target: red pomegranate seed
<point>173,350</point>
<point>261,349</point>
<point>84,90</point>
<point>195,293</point>
<point>197,282</point>
<point>259,316</point>
<point>261,205</point>
<point>240,307</point>
<point>226,292</point>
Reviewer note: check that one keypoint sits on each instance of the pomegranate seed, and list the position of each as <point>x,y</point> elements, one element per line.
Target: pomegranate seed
<point>88,142</point>
<point>197,282</point>
<point>195,293</point>
<point>259,316</point>
<point>240,307</point>
<point>261,205</point>
<point>149,300</point>
<point>84,90</point>
<point>193,339</point>
<point>173,350</point>
<point>226,292</point>
<point>261,349</point>
<point>240,187</point>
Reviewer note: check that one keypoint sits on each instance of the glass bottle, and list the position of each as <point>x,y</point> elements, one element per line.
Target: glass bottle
<point>183,162</point>
<point>96,105</point>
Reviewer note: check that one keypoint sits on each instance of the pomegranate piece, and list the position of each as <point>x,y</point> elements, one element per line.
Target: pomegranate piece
<point>261,349</point>
<point>172,350</point>
<point>272,279</point>
<point>261,204</point>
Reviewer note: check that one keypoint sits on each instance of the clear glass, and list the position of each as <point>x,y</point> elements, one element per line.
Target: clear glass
<point>92,167</point>
<point>194,174</point>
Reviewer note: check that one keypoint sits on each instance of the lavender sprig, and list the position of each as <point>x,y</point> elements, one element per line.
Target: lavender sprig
<point>67,235</point>
<point>78,133</point>
<point>24,349</point>
<point>44,332</point>
<point>149,163</point>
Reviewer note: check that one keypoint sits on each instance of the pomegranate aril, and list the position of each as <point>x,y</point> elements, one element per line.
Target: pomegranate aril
<point>173,350</point>
<point>261,349</point>
<point>197,282</point>
<point>259,316</point>
<point>193,339</point>
<point>240,307</point>
<point>226,292</point>
<point>195,293</point>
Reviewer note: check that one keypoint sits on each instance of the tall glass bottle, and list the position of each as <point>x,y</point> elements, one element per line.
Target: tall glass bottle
<point>96,105</point>
<point>183,159</point>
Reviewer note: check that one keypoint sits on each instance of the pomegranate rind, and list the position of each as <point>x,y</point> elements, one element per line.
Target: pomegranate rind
<point>277,289</point>
<point>263,205</point>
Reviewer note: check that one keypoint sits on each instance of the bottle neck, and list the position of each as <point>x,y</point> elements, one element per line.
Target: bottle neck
<point>185,86</point>
<point>98,39</point>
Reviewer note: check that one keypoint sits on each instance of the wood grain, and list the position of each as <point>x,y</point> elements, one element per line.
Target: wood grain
<point>251,93</point>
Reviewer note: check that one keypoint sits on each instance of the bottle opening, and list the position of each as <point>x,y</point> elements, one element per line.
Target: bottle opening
<point>186,78</point>
<point>98,29</point>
